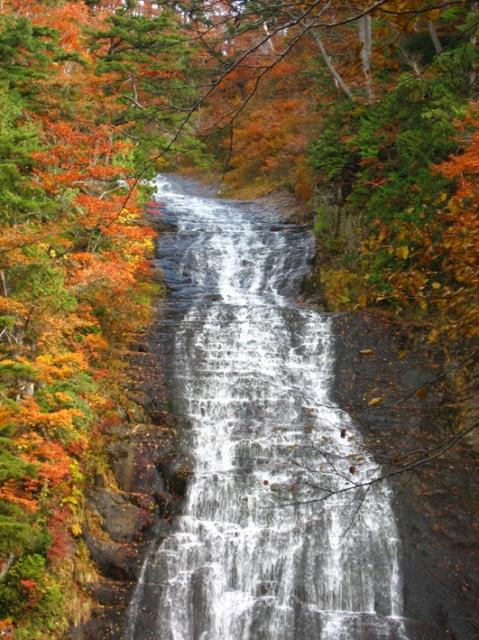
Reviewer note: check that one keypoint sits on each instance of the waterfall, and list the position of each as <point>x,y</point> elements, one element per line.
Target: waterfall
<point>280,537</point>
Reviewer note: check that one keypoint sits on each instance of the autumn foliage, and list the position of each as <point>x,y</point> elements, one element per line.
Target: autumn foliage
<point>74,281</point>
<point>366,112</point>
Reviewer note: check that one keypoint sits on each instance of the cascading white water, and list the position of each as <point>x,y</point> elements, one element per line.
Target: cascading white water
<point>271,545</point>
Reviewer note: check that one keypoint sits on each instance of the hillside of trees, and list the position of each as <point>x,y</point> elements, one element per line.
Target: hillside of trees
<point>366,111</point>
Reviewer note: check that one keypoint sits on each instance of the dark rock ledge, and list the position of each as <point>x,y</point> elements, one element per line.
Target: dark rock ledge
<point>436,504</point>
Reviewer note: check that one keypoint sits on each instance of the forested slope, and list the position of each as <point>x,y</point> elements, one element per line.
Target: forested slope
<point>75,281</point>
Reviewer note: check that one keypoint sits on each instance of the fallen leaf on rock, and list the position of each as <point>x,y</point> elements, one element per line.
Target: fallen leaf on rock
<point>374,402</point>
<point>366,352</point>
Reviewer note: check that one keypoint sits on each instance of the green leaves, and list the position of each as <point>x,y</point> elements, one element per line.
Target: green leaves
<point>26,52</point>
<point>146,64</point>
<point>17,535</point>
<point>20,198</point>
<point>12,468</point>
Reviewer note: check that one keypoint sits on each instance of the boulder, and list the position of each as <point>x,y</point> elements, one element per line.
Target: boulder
<point>122,520</point>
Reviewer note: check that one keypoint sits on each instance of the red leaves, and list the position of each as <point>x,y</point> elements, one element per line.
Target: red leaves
<point>52,461</point>
<point>60,536</point>
<point>32,594</point>
<point>29,585</point>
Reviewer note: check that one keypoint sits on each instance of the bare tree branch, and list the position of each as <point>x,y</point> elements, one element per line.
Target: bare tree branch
<point>433,455</point>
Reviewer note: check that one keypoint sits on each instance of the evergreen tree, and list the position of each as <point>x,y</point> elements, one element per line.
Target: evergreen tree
<point>147,66</point>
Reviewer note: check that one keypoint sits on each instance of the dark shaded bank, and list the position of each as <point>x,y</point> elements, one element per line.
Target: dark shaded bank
<point>436,504</point>
<point>146,462</point>
<point>142,488</point>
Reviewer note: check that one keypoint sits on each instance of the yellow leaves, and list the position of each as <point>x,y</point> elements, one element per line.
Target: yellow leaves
<point>127,216</point>
<point>60,366</point>
<point>95,342</point>
<point>343,287</point>
<point>72,500</point>
<point>454,206</point>
<point>402,252</point>
<point>32,417</point>
<point>7,413</point>
<point>375,401</point>
<point>160,164</point>
<point>436,285</point>
<point>8,306</point>
<point>76,530</point>
<point>441,198</point>
<point>382,235</point>
<point>61,419</point>
<point>362,301</point>
<point>62,398</point>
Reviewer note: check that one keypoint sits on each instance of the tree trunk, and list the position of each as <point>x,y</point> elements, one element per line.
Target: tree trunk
<point>336,75</point>
<point>3,280</point>
<point>269,43</point>
<point>365,34</point>
<point>473,74</point>
<point>434,37</point>
<point>6,566</point>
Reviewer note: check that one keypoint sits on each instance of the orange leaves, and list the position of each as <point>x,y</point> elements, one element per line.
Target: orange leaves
<point>94,345</point>
<point>465,167</point>
<point>73,284</point>
<point>99,213</point>
<point>8,306</point>
<point>52,460</point>
<point>27,414</point>
<point>90,271</point>
<point>69,19</point>
<point>304,182</point>
<point>13,491</point>
<point>53,367</point>
<point>460,240</point>
<point>7,414</point>
<point>7,629</point>
<point>271,140</point>
<point>50,424</point>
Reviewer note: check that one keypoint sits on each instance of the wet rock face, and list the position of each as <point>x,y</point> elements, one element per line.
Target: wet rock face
<point>176,470</point>
<point>115,561</point>
<point>151,474</point>
<point>435,503</point>
<point>122,520</point>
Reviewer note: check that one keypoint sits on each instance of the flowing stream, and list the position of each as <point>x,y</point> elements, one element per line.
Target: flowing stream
<point>279,538</point>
